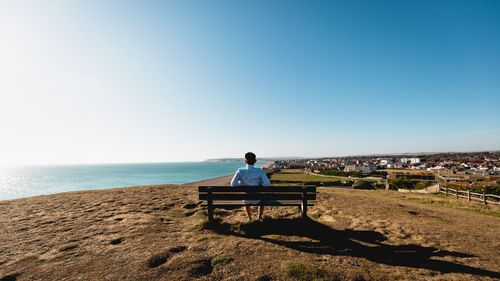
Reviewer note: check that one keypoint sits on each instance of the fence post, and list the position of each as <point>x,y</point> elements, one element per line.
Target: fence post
<point>484,198</point>
<point>446,191</point>
<point>456,192</point>
<point>468,195</point>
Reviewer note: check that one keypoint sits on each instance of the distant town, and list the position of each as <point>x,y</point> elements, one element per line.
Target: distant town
<point>467,163</point>
<point>475,171</point>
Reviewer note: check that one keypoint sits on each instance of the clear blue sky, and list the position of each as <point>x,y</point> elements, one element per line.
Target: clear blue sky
<point>139,81</point>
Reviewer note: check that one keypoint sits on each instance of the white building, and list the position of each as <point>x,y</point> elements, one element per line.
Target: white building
<point>384,162</point>
<point>437,169</point>
<point>411,160</point>
<point>365,169</point>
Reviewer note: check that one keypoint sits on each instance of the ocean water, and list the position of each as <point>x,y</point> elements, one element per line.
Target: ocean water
<point>25,181</point>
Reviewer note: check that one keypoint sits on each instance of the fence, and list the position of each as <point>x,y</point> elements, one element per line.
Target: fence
<point>483,197</point>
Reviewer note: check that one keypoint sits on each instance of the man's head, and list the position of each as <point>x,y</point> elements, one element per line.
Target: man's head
<point>250,158</point>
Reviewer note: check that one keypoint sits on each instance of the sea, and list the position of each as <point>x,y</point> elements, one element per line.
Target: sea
<point>26,181</point>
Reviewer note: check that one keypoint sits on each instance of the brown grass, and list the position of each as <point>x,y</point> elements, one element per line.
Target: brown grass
<point>157,233</point>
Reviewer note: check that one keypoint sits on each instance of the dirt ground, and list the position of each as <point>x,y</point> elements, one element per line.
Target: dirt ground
<point>158,233</point>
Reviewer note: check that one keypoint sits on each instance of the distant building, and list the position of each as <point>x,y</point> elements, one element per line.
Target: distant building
<point>384,162</point>
<point>365,169</point>
<point>411,160</point>
<point>395,165</point>
<point>437,169</point>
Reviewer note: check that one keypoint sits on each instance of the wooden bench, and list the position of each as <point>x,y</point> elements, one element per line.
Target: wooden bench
<point>232,196</point>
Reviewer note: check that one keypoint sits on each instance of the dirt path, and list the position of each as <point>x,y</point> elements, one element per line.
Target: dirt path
<point>155,233</point>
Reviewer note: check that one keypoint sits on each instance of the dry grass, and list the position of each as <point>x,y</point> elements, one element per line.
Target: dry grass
<point>222,259</point>
<point>67,247</point>
<point>302,271</point>
<point>160,233</point>
<point>444,201</point>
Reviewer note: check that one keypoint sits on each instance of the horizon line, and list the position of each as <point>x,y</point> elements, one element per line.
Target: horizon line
<point>236,158</point>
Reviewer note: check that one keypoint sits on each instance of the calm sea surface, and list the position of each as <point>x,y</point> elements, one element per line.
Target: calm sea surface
<point>17,182</point>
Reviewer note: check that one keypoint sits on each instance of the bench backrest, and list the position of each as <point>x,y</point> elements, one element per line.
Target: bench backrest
<point>229,193</point>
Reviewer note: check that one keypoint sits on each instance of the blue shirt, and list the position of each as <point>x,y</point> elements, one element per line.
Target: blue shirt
<point>250,176</point>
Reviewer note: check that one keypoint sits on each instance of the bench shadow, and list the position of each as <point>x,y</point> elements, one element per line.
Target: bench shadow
<point>318,238</point>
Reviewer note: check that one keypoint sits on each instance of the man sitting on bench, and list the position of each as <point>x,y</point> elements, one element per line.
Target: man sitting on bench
<point>251,176</point>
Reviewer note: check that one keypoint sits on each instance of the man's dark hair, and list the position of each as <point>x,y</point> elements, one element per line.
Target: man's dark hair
<point>251,158</point>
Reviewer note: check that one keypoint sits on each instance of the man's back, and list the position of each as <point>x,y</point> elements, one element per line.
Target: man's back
<point>250,176</point>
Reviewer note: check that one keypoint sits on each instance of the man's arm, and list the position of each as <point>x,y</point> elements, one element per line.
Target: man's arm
<point>236,178</point>
<point>264,179</point>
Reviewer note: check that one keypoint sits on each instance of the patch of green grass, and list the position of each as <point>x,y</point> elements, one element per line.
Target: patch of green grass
<point>23,228</point>
<point>285,184</point>
<point>220,227</point>
<point>222,259</point>
<point>68,246</point>
<point>302,271</point>
<point>216,225</point>
<point>206,224</point>
<point>302,177</point>
<point>202,238</point>
<point>268,265</point>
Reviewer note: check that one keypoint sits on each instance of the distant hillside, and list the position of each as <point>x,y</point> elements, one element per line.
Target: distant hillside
<point>490,153</point>
<point>258,158</point>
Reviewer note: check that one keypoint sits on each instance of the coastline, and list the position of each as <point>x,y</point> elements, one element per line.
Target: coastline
<point>221,180</point>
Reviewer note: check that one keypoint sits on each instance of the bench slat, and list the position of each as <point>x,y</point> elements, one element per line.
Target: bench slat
<point>257,196</point>
<point>309,188</point>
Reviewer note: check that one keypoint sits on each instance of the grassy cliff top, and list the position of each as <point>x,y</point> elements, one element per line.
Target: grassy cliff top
<point>160,233</point>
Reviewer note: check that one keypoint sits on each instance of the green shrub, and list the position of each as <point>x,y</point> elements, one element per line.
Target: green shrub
<point>340,173</point>
<point>478,188</point>
<point>422,185</point>
<point>401,183</point>
<point>363,185</point>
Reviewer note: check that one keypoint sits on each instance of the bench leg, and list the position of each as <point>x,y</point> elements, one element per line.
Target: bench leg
<point>210,205</point>
<point>303,209</point>
<point>210,213</point>
<point>304,203</point>
<point>210,210</point>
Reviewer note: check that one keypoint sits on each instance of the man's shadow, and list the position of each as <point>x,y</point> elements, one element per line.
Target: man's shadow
<point>355,243</point>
